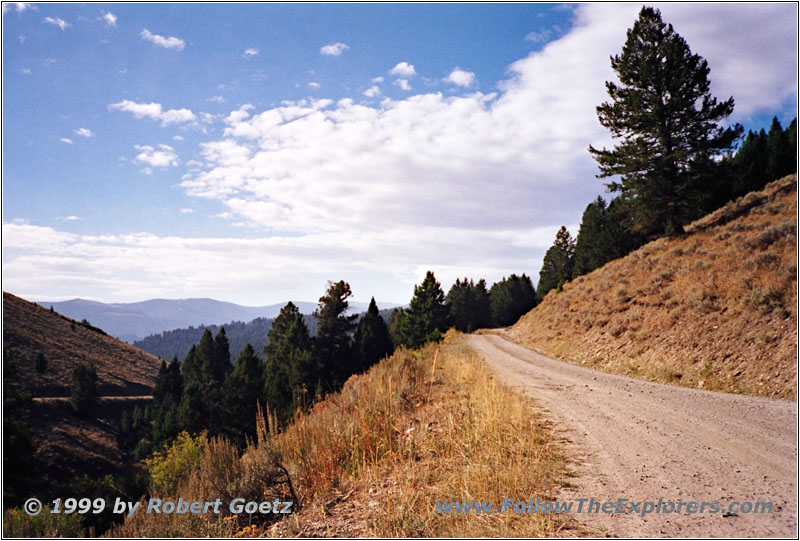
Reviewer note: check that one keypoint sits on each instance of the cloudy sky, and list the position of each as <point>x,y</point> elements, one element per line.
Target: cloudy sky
<point>251,153</point>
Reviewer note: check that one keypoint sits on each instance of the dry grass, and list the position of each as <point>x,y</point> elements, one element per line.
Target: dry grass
<point>28,329</point>
<point>374,459</point>
<point>716,308</point>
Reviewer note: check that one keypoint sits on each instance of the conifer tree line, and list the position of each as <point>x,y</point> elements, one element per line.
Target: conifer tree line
<point>674,161</point>
<point>207,392</point>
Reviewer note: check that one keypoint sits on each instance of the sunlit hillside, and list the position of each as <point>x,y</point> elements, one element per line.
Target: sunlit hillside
<point>713,309</point>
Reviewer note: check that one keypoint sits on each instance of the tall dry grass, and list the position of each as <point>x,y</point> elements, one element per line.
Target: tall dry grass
<point>374,459</point>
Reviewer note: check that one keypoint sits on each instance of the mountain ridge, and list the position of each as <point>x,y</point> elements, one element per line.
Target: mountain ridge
<point>137,320</point>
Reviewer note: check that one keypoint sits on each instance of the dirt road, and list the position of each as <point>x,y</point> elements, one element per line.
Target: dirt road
<point>644,441</point>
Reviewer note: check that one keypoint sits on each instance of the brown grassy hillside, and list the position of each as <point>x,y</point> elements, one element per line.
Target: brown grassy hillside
<point>715,308</point>
<point>28,329</point>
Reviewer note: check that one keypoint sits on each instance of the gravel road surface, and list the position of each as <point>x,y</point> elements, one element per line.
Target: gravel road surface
<point>644,441</point>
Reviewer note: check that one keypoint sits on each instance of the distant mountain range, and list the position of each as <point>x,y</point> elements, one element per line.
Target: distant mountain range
<point>133,321</point>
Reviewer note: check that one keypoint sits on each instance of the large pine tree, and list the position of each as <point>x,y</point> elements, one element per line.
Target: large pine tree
<point>667,121</point>
<point>334,341</point>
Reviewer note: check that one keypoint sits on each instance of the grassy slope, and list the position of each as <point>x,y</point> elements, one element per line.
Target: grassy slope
<point>716,308</point>
<point>66,444</point>
<point>372,459</point>
<point>28,328</point>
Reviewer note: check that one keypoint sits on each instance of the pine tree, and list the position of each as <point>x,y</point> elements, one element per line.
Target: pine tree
<point>372,338</point>
<point>291,373</point>
<point>40,363</point>
<point>159,390</point>
<point>244,390</point>
<point>221,366</point>
<point>84,389</point>
<point>791,137</point>
<point>426,317</point>
<point>468,305</point>
<point>510,299</point>
<point>668,122</point>
<point>333,343</point>
<point>750,166</point>
<point>193,414</point>
<point>557,263</point>
<point>394,326</point>
<point>588,245</point>
<point>780,156</point>
<point>167,396</point>
<point>191,369</point>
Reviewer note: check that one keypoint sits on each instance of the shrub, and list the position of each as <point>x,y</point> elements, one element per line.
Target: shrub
<point>180,458</point>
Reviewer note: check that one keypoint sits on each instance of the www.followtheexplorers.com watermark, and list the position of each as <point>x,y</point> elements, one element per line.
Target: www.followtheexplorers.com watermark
<point>621,506</point>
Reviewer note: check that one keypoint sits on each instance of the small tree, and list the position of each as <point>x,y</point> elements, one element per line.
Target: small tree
<point>84,389</point>
<point>667,121</point>
<point>557,263</point>
<point>40,364</point>
<point>372,338</point>
<point>426,317</point>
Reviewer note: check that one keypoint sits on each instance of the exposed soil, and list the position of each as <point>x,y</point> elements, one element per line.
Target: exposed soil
<point>644,441</point>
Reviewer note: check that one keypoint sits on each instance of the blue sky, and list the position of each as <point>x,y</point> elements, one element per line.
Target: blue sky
<point>251,152</point>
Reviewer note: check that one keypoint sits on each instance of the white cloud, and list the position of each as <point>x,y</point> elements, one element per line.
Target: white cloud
<point>41,262</point>
<point>168,43</point>
<point>403,83</point>
<point>432,171</point>
<point>334,49</point>
<point>110,19</point>
<point>163,156</point>
<point>187,211</point>
<point>389,190</point>
<point>403,69</point>
<point>84,132</point>
<point>177,137</point>
<point>377,80</point>
<point>250,52</point>
<point>539,36</point>
<point>65,140</point>
<point>147,171</point>
<point>19,7</point>
<point>315,85</point>
<point>26,71</point>
<point>240,114</point>
<point>372,91</point>
<point>71,218</point>
<point>154,111</point>
<point>461,78</point>
<point>61,23</point>
<point>217,99</point>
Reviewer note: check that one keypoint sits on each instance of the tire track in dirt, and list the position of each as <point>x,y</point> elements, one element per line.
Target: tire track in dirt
<point>644,441</point>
